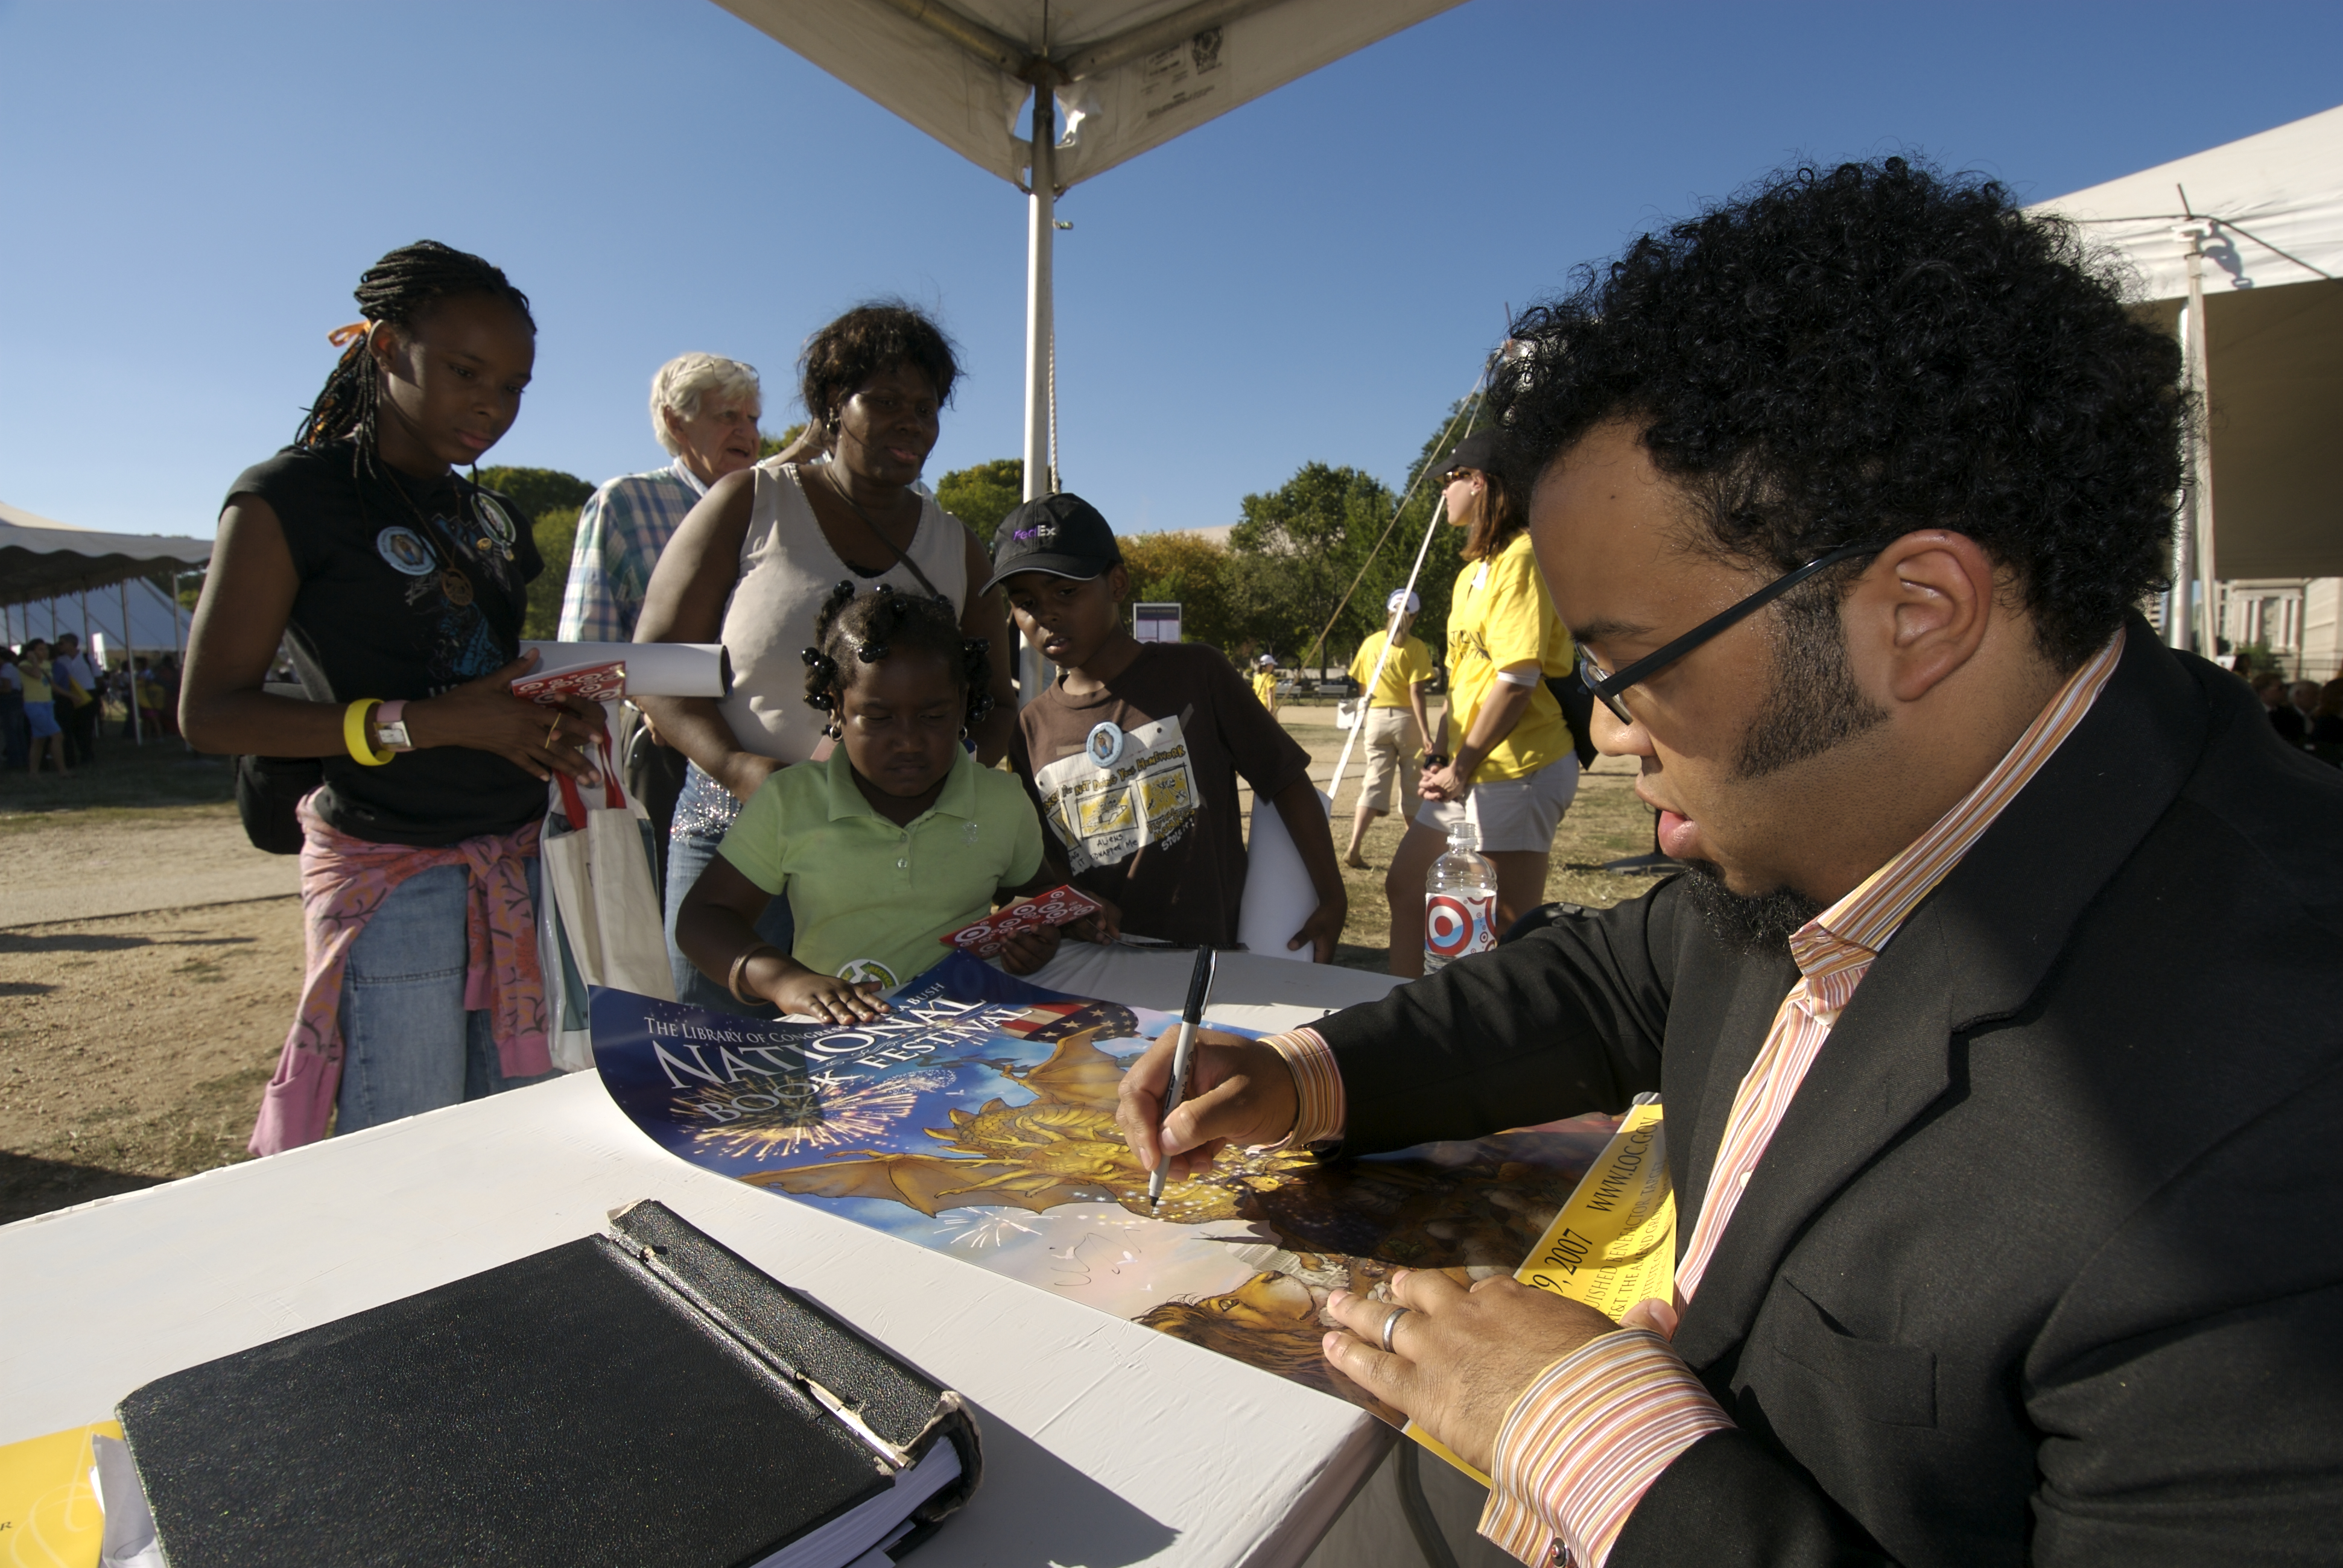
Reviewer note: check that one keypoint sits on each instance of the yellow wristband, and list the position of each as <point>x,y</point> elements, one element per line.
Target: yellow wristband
<point>354,719</point>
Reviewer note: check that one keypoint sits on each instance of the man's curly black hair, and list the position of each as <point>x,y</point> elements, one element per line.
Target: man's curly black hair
<point>1850,353</point>
<point>850,631</point>
<point>862,343</point>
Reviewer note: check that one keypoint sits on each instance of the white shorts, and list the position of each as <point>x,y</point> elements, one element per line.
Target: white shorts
<point>1512,814</point>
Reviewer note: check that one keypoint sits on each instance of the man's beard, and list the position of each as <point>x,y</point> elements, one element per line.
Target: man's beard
<point>1814,706</point>
<point>1755,925</point>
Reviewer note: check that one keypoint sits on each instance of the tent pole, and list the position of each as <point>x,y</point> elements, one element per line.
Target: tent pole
<point>2200,447</point>
<point>1041,215</point>
<point>2179,599</point>
<point>130,665</point>
<point>1033,670</point>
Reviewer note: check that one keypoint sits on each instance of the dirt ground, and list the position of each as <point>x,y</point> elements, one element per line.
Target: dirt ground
<point>133,1046</point>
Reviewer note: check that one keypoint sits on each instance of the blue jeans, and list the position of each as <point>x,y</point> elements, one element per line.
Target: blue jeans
<point>409,1045</point>
<point>703,812</point>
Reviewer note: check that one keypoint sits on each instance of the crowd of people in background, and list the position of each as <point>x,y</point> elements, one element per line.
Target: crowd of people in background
<point>53,699</point>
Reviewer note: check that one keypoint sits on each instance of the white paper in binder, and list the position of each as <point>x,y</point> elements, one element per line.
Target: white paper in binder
<point>653,669</point>
<point>1278,895</point>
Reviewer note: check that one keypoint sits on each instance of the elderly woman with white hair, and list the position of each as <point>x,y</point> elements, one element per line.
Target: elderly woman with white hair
<point>704,410</point>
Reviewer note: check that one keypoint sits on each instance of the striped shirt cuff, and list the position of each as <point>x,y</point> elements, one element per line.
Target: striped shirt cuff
<point>1320,1109</point>
<point>1585,1442</point>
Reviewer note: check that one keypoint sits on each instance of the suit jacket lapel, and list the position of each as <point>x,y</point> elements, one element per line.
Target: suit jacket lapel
<point>1973,951</point>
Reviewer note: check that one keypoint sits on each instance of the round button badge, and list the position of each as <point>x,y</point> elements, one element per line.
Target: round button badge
<point>1106,744</point>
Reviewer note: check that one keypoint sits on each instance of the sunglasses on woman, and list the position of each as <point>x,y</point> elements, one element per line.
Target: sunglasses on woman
<point>1608,690</point>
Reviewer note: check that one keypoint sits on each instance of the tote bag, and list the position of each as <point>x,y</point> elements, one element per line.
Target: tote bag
<point>602,923</point>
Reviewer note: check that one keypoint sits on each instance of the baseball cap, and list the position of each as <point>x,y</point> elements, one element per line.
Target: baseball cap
<point>1267,661</point>
<point>1403,600</point>
<point>1062,534</point>
<point>1477,451</point>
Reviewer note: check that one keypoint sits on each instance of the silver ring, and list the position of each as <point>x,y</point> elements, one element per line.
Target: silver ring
<point>1391,1326</point>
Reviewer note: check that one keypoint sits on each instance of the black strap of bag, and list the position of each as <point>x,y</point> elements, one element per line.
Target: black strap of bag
<point>268,790</point>
<point>1578,712</point>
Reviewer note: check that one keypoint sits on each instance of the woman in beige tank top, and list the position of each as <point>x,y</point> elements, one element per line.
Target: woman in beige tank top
<point>752,562</point>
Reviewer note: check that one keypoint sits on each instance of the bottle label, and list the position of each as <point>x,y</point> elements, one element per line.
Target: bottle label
<point>1455,924</point>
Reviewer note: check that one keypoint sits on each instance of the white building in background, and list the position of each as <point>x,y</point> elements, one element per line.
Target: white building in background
<point>2299,619</point>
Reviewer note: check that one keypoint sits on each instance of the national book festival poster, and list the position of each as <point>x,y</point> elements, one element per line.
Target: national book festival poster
<point>977,1120</point>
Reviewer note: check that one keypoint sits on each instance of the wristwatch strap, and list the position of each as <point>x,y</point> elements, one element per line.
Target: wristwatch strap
<point>390,729</point>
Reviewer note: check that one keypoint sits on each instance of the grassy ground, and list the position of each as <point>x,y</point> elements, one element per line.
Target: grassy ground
<point>1605,822</point>
<point>162,772</point>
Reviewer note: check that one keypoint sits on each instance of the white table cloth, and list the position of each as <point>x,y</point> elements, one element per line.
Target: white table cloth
<point>1106,1443</point>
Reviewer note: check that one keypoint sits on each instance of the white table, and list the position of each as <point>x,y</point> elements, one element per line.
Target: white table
<point>1106,1443</point>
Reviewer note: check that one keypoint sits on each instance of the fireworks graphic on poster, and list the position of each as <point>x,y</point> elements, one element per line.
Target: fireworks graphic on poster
<point>774,1117</point>
<point>977,1229</point>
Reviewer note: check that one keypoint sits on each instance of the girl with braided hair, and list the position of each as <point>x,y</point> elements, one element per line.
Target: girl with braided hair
<point>420,777</point>
<point>895,839</point>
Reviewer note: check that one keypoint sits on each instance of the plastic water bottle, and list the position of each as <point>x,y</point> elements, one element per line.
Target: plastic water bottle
<point>1460,900</point>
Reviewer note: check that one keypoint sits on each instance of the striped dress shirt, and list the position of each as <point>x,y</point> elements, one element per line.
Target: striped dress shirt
<point>1587,1438</point>
<point>621,531</point>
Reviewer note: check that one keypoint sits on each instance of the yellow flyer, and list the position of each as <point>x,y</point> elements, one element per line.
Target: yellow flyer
<point>49,1516</point>
<point>1614,1243</point>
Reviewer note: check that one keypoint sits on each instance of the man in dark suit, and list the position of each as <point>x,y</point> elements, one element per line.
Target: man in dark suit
<point>1996,1020</point>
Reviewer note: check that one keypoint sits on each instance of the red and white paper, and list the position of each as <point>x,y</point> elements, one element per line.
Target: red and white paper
<point>595,683</point>
<point>1062,905</point>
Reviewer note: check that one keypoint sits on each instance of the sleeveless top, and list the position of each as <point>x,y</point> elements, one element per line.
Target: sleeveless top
<point>787,569</point>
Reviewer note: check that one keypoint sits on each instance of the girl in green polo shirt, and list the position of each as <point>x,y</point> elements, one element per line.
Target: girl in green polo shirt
<point>893,840</point>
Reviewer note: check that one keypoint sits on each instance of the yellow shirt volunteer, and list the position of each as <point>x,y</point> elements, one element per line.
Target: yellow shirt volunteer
<point>1264,686</point>
<point>1500,614</point>
<point>1409,665</point>
<point>36,682</point>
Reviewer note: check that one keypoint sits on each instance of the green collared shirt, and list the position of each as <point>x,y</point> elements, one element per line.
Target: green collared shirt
<point>871,900</point>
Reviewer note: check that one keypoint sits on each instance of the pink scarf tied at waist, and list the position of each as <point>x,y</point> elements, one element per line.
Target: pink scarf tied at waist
<point>343,880</point>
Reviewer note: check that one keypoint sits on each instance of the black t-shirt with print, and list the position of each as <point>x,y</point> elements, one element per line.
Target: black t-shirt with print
<point>1138,784</point>
<point>408,587</point>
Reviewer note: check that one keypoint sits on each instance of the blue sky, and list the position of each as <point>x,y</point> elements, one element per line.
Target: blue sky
<point>188,191</point>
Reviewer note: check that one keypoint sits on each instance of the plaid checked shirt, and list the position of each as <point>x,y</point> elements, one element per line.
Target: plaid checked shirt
<point>620,531</point>
<point>1586,1439</point>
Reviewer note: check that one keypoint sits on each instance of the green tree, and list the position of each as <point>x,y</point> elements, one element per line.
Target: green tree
<point>1191,572</point>
<point>773,445</point>
<point>551,500</point>
<point>536,491</point>
<point>1299,548</point>
<point>556,535</point>
<point>981,496</point>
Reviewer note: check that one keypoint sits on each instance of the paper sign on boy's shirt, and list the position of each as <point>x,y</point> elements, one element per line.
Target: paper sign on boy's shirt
<point>1062,905</point>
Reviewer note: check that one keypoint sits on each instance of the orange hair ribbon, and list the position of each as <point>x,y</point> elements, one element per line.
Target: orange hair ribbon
<point>341,336</point>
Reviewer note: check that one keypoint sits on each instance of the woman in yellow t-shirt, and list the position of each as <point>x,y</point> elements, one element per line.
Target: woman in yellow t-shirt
<point>40,713</point>
<point>1509,769</point>
<point>1264,681</point>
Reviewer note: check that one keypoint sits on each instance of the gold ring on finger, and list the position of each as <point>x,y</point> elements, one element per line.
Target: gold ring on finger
<point>552,733</point>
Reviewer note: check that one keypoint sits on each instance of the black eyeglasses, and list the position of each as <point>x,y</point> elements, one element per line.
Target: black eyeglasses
<point>1608,687</point>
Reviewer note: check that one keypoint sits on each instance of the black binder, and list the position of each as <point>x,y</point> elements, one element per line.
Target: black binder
<point>643,1398</point>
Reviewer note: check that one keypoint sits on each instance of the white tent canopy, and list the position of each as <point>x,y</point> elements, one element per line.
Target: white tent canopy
<point>157,625</point>
<point>41,558</point>
<point>2265,215</point>
<point>1127,75</point>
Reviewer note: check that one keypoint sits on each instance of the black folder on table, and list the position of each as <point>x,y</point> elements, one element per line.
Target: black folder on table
<point>649,1397</point>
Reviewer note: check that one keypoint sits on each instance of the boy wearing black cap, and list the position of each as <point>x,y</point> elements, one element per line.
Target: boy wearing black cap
<point>1133,753</point>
